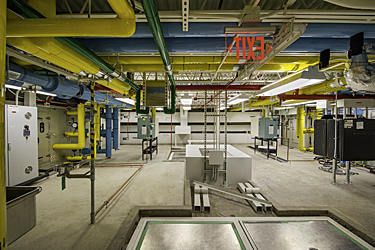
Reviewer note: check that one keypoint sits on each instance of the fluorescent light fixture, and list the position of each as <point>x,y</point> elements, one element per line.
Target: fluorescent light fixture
<point>186,99</point>
<point>282,108</point>
<point>238,99</point>
<point>44,93</point>
<point>126,100</point>
<point>12,87</point>
<point>159,109</point>
<point>310,77</point>
<point>186,107</point>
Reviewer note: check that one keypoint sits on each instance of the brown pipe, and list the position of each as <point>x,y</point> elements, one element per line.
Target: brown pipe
<point>118,190</point>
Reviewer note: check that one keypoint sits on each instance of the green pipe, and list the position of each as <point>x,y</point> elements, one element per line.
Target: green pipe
<point>25,11</point>
<point>152,15</point>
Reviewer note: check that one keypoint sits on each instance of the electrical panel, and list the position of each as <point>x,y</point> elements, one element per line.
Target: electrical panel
<point>147,128</point>
<point>355,139</point>
<point>268,128</point>
<point>21,138</point>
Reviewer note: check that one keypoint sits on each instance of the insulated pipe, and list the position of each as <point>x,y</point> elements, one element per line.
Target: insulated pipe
<point>81,131</point>
<point>115,120</point>
<point>51,84</point>
<point>108,134</point>
<point>3,214</point>
<point>152,16</point>
<point>90,27</point>
<point>25,11</point>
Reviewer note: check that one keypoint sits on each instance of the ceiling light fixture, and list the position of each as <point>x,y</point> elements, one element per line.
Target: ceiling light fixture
<point>310,77</point>
<point>44,93</point>
<point>126,100</point>
<point>186,107</point>
<point>237,99</point>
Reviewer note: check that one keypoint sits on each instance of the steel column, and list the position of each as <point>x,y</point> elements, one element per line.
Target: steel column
<point>115,128</point>
<point>108,134</point>
<point>92,143</point>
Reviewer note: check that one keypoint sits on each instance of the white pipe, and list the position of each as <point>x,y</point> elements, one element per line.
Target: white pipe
<point>17,94</point>
<point>358,4</point>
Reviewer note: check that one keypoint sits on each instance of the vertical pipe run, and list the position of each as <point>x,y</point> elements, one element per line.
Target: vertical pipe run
<point>115,128</point>
<point>334,181</point>
<point>108,133</point>
<point>92,143</point>
<point>3,218</point>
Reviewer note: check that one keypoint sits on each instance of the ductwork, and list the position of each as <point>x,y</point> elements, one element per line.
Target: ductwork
<point>358,4</point>
<point>360,76</point>
<point>152,16</point>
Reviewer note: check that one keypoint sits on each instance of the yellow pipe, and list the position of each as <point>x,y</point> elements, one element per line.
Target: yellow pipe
<point>3,217</point>
<point>74,134</point>
<point>45,7</point>
<point>87,27</point>
<point>62,51</point>
<point>300,130</point>
<point>176,67</point>
<point>323,88</point>
<point>27,45</point>
<point>81,132</point>
<point>264,102</point>
<point>96,137</point>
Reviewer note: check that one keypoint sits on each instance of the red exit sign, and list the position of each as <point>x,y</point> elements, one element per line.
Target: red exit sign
<point>247,45</point>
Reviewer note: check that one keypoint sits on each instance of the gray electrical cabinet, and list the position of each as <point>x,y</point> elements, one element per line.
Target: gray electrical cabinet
<point>147,128</point>
<point>268,128</point>
<point>21,138</point>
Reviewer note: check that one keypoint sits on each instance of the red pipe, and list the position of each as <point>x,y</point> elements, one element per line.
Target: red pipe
<point>101,87</point>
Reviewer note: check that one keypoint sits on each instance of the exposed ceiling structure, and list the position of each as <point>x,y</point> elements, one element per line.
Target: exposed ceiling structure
<point>248,43</point>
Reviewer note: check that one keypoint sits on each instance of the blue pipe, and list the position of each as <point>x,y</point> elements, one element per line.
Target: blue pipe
<point>108,137</point>
<point>115,129</point>
<point>51,84</point>
<point>63,88</point>
<point>206,44</point>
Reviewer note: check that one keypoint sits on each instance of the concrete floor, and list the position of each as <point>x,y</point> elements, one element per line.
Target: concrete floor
<point>63,216</point>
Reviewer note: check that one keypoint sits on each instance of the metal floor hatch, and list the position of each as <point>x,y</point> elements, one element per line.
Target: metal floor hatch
<point>244,233</point>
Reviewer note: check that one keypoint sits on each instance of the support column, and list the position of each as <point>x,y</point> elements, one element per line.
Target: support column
<point>3,218</point>
<point>115,128</point>
<point>92,143</point>
<point>108,129</point>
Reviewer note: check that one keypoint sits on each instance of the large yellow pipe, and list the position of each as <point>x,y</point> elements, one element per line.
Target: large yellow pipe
<point>62,51</point>
<point>27,45</point>
<point>3,217</point>
<point>81,131</point>
<point>88,27</point>
<point>264,102</point>
<point>323,88</point>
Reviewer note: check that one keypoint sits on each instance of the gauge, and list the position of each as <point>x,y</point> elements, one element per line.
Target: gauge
<point>74,125</point>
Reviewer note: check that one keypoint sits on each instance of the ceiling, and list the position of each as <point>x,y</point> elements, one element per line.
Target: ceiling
<point>198,55</point>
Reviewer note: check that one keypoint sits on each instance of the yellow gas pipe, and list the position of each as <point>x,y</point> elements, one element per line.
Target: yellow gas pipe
<point>81,131</point>
<point>300,130</point>
<point>96,137</point>
<point>3,217</point>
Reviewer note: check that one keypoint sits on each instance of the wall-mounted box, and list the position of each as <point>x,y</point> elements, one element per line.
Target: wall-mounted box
<point>216,157</point>
<point>147,128</point>
<point>268,128</point>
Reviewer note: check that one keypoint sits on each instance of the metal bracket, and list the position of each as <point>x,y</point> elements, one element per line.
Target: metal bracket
<point>185,15</point>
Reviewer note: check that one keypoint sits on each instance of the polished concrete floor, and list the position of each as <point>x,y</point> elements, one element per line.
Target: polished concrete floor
<point>63,216</point>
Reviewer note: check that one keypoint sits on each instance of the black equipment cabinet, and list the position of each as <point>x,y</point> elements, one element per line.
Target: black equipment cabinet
<point>355,139</point>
